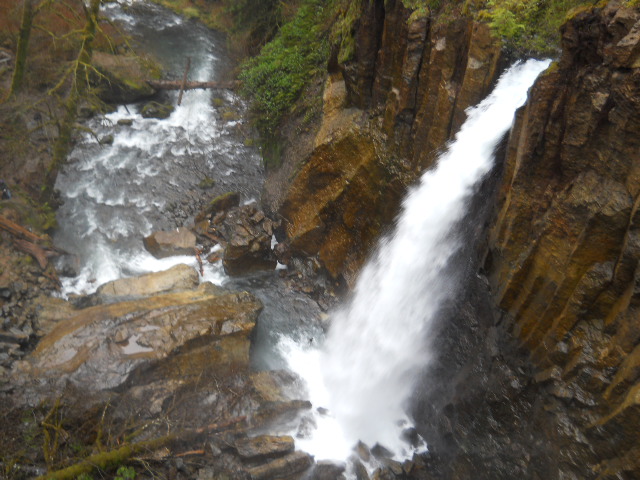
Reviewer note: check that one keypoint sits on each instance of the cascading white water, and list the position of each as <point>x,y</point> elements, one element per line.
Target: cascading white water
<point>114,195</point>
<point>378,343</point>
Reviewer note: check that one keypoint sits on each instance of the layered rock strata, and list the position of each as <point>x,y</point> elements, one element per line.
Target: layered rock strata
<point>540,375</point>
<point>565,249</point>
<point>387,112</point>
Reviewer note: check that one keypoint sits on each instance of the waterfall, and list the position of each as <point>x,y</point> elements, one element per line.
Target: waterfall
<point>379,341</point>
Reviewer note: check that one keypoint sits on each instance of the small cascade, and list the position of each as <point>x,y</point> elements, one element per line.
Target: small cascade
<point>378,343</point>
<point>364,370</point>
<point>115,194</point>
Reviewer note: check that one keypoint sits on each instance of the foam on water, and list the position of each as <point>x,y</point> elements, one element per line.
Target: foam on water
<point>114,195</point>
<point>378,343</point>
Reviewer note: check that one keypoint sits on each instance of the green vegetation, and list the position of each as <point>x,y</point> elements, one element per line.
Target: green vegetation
<point>342,30</point>
<point>249,23</point>
<point>125,473</point>
<point>275,78</point>
<point>530,26</point>
<point>525,26</point>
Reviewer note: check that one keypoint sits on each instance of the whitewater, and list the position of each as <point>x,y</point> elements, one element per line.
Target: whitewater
<point>361,378</point>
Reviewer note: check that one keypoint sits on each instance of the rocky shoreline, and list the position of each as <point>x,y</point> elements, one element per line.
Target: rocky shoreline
<point>537,375</point>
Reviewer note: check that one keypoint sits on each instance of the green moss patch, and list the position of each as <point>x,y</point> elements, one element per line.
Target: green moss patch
<point>276,77</point>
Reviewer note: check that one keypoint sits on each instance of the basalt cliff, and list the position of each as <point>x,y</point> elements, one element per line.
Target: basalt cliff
<point>538,366</point>
<point>340,188</point>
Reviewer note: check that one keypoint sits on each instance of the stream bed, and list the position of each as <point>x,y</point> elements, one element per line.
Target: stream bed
<point>157,174</point>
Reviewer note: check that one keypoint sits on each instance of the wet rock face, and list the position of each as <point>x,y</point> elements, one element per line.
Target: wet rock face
<point>387,112</point>
<point>122,80</point>
<point>244,232</point>
<point>424,76</point>
<point>180,241</point>
<point>564,251</point>
<point>98,347</point>
<point>336,205</point>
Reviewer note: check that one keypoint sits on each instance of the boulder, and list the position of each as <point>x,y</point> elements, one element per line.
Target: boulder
<point>247,241</point>
<point>247,253</point>
<point>219,204</point>
<point>265,446</point>
<point>180,241</point>
<point>157,110</point>
<point>326,470</point>
<point>122,78</point>
<point>294,463</point>
<point>98,347</point>
<point>178,278</point>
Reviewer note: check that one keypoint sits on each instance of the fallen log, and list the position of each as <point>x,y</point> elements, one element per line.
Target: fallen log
<point>177,85</point>
<point>18,231</point>
<point>28,242</point>
<point>124,453</point>
<point>105,459</point>
<point>37,252</point>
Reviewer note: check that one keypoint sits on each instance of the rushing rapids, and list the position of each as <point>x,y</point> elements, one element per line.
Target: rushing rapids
<point>116,194</point>
<point>364,373</point>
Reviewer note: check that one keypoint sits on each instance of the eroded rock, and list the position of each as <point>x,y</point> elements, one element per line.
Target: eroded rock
<point>178,278</point>
<point>180,241</point>
<point>99,346</point>
<point>264,446</point>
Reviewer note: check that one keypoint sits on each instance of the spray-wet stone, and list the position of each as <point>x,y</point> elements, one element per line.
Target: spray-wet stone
<point>379,342</point>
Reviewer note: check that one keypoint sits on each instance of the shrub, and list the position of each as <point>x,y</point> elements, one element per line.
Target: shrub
<point>529,26</point>
<point>275,78</point>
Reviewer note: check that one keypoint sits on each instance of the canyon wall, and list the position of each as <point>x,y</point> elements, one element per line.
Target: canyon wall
<point>565,247</point>
<point>387,112</point>
<point>538,369</point>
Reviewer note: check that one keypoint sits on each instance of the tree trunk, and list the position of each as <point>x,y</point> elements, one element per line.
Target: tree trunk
<point>23,46</point>
<point>77,91</point>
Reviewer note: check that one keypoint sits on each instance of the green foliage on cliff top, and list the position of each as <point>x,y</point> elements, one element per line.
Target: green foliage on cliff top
<point>529,26</point>
<point>275,78</point>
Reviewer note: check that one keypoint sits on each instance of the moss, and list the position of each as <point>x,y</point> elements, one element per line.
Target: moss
<point>530,27</point>
<point>553,68</point>
<point>229,115</point>
<point>206,183</point>
<point>275,78</point>
<point>217,102</point>
<point>342,29</point>
<point>191,12</point>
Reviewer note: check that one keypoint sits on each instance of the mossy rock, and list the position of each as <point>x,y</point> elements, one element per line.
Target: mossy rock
<point>230,115</point>
<point>156,110</point>
<point>224,202</point>
<point>206,183</point>
<point>123,79</point>
<point>221,203</point>
<point>106,140</point>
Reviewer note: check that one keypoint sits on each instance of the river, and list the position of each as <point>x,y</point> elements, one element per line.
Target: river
<point>153,175</point>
